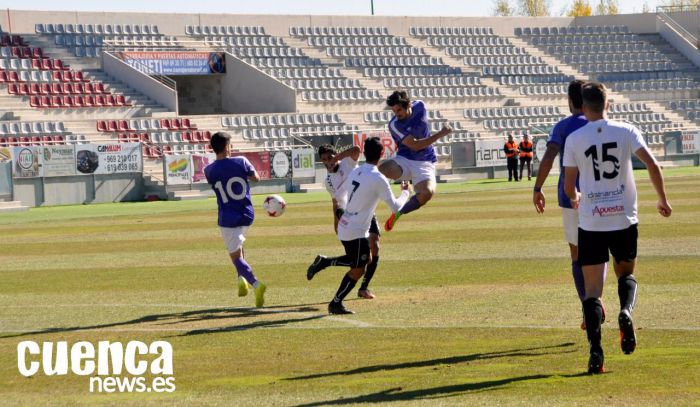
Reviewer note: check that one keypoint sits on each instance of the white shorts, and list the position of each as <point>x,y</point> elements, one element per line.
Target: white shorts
<point>415,171</point>
<point>570,218</point>
<point>234,237</point>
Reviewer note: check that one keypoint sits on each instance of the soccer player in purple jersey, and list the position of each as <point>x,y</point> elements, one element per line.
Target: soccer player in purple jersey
<point>229,178</point>
<point>415,159</point>
<point>556,143</point>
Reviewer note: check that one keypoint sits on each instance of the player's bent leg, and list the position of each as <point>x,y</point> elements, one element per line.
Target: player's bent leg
<point>364,291</point>
<point>391,169</point>
<point>357,249</point>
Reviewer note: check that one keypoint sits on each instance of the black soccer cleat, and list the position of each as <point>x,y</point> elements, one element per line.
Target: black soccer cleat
<point>315,267</point>
<point>595,363</point>
<point>628,339</point>
<point>338,308</point>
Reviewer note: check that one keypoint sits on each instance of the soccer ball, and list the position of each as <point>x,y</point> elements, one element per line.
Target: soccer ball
<point>274,205</point>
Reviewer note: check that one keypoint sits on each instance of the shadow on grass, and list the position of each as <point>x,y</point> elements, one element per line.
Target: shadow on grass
<point>445,361</point>
<point>397,393</point>
<point>201,315</point>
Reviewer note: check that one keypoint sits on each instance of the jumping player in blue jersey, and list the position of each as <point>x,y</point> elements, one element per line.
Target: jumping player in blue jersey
<point>556,144</point>
<point>229,178</point>
<point>415,159</point>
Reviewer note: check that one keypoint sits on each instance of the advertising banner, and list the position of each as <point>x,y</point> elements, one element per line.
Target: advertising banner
<point>197,164</point>
<point>59,161</point>
<point>261,162</point>
<point>109,158</point>
<point>489,153</point>
<point>390,147</point>
<point>690,142</point>
<point>27,162</point>
<point>281,163</point>
<point>177,169</point>
<point>303,163</point>
<point>177,63</point>
<point>463,154</point>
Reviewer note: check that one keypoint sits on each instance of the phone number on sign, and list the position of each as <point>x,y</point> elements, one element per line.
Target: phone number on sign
<point>123,167</point>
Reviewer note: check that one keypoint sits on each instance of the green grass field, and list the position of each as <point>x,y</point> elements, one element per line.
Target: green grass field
<point>475,304</point>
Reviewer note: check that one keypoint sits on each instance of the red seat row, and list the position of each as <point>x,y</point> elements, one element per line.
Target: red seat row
<point>31,141</point>
<point>14,41</point>
<point>26,52</point>
<point>113,125</point>
<point>56,89</point>
<point>49,64</point>
<point>177,124</point>
<point>58,76</point>
<point>78,101</point>
<point>196,137</point>
<point>133,137</point>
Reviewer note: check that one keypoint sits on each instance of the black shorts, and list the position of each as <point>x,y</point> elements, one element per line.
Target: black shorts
<point>526,160</point>
<point>357,251</point>
<point>593,247</point>
<point>374,226</point>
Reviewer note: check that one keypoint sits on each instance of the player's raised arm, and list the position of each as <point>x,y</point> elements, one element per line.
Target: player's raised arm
<point>417,145</point>
<point>352,152</point>
<point>657,179</point>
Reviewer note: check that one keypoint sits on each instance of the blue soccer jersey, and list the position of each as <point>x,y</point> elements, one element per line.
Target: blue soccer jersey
<point>560,133</point>
<point>229,180</point>
<point>415,125</point>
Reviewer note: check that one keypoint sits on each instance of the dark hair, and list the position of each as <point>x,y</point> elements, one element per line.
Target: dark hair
<point>574,93</point>
<point>373,149</point>
<point>399,97</point>
<point>325,148</point>
<point>594,96</point>
<point>219,141</point>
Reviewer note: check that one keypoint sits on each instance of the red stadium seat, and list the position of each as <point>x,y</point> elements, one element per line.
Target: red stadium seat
<point>34,101</point>
<point>68,101</point>
<point>78,77</point>
<point>197,137</point>
<point>102,125</point>
<point>47,140</point>
<point>67,76</point>
<point>165,123</point>
<point>56,89</point>
<point>120,100</point>
<point>24,141</point>
<point>99,87</point>
<point>3,142</point>
<point>14,77</point>
<point>37,53</point>
<point>208,149</point>
<point>124,125</point>
<point>36,63</point>
<point>24,89</point>
<point>56,101</point>
<point>112,126</point>
<point>79,89</point>
<point>4,40</point>
<point>79,101</point>
<point>123,137</point>
<point>67,89</point>
<point>58,65</point>
<point>13,89</point>
<point>187,136</point>
<point>12,141</point>
<point>89,89</point>
<point>206,136</point>
<point>26,52</point>
<point>45,89</point>
<point>35,89</point>
<point>45,101</point>
<point>144,138</point>
<point>59,140</point>
<point>177,124</point>
<point>3,77</point>
<point>109,100</point>
<point>90,101</point>
<point>167,150</point>
<point>16,52</point>
<point>57,76</point>
<point>36,140</point>
<point>46,65</point>
<point>17,40</point>
<point>100,101</point>
<point>188,125</point>
<point>134,138</point>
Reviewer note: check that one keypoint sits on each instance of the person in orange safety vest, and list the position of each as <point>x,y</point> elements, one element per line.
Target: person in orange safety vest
<point>511,150</point>
<point>525,147</point>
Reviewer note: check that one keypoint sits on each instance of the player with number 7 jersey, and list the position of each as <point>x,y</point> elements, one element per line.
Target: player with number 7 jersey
<point>229,178</point>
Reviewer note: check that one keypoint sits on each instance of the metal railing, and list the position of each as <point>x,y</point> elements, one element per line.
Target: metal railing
<point>662,13</point>
<point>141,67</point>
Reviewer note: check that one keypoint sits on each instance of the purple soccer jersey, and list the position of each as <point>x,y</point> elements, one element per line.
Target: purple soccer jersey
<point>229,180</point>
<point>417,126</point>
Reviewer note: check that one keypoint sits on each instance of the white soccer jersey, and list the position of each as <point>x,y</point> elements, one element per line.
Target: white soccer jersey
<point>336,181</point>
<point>366,186</point>
<point>602,152</point>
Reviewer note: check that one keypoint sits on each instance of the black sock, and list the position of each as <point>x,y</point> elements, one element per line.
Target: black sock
<point>341,261</point>
<point>371,268</point>
<point>593,312</point>
<point>627,291</point>
<point>345,287</point>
